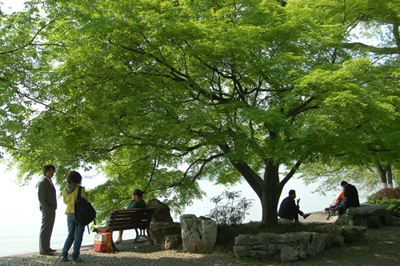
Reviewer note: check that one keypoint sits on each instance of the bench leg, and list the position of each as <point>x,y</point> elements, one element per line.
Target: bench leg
<point>145,233</point>
<point>329,214</point>
<point>114,248</point>
<point>137,236</point>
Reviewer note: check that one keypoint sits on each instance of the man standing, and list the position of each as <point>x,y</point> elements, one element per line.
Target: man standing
<point>48,205</point>
<point>289,209</point>
<point>351,195</point>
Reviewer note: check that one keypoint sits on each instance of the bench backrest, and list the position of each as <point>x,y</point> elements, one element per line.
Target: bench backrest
<point>130,219</point>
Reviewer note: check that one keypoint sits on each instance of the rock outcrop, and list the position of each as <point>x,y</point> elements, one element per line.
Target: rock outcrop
<point>342,220</point>
<point>371,216</point>
<point>172,242</point>
<point>332,234</point>
<point>162,225</point>
<point>158,230</point>
<point>353,233</point>
<point>391,220</point>
<point>289,247</point>
<point>198,234</point>
<point>161,213</point>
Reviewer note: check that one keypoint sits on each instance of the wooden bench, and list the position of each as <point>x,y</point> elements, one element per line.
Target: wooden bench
<point>138,219</point>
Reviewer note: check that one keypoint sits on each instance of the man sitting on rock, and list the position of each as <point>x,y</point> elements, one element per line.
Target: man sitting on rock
<point>289,209</point>
<point>136,202</point>
<point>351,195</point>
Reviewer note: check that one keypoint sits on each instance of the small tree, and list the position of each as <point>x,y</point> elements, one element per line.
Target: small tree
<point>230,208</point>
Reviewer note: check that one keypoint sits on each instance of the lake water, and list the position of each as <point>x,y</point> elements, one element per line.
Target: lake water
<point>20,216</point>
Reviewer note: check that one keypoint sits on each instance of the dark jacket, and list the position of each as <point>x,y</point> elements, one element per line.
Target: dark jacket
<point>47,195</point>
<point>351,195</point>
<point>288,209</point>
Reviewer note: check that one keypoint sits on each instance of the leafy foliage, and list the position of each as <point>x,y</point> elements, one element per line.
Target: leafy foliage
<point>230,208</point>
<point>19,61</point>
<point>159,94</point>
<point>386,194</point>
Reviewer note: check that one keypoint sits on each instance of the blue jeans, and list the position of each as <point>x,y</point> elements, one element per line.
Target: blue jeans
<point>75,235</point>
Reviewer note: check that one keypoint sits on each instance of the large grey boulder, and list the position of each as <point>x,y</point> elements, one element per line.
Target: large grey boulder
<point>158,230</point>
<point>367,210</point>
<point>172,242</point>
<point>290,247</point>
<point>332,234</point>
<point>353,233</point>
<point>198,234</point>
<point>161,213</point>
<point>391,220</point>
<point>328,240</point>
<point>371,216</point>
<point>331,229</point>
<point>342,219</point>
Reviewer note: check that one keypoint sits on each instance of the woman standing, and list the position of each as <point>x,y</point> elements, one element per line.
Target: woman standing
<point>75,230</point>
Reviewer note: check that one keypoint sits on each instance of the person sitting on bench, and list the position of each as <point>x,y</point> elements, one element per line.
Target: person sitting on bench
<point>136,202</point>
<point>340,199</point>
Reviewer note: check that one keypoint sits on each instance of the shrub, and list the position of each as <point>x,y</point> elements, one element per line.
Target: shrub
<point>393,205</point>
<point>229,208</point>
<point>386,193</point>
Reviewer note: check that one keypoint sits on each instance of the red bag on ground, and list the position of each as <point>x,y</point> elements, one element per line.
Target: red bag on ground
<point>102,242</point>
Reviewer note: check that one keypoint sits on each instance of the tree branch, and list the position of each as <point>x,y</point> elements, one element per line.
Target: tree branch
<point>38,102</point>
<point>251,177</point>
<point>370,48</point>
<point>290,174</point>
<point>194,177</point>
<point>30,42</point>
<point>151,175</point>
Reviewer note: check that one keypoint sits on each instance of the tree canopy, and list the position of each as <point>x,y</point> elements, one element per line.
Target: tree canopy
<point>159,94</point>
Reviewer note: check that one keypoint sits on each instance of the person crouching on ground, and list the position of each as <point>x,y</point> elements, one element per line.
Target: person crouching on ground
<point>137,202</point>
<point>289,209</point>
<point>75,230</point>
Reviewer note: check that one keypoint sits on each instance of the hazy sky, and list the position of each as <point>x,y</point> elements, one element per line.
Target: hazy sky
<point>15,5</point>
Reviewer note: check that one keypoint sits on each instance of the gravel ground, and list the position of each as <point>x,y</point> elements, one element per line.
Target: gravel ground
<point>380,247</point>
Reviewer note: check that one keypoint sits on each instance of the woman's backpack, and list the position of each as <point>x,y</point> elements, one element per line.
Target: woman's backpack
<point>84,211</point>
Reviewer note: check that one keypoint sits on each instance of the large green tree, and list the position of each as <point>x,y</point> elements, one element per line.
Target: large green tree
<point>378,27</point>
<point>224,89</point>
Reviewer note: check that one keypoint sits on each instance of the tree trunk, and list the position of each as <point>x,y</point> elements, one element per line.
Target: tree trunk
<point>389,176</point>
<point>268,189</point>
<point>385,173</point>
<point>271,191</point>
<point>382,175</point>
